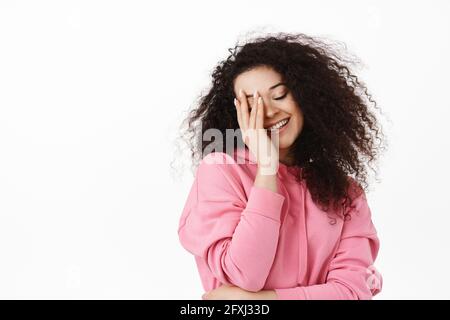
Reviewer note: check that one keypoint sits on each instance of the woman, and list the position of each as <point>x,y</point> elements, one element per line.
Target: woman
<point>285,216</point>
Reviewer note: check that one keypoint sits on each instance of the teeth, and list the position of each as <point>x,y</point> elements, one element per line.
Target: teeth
<point>278,125</point>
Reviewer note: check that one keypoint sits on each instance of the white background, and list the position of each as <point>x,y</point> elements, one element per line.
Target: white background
<point>91,97</point>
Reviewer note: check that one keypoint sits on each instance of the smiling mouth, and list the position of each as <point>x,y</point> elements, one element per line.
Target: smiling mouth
<point>279,125</point>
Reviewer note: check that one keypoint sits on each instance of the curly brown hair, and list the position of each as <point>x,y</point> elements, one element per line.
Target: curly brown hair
<point>341,137</point>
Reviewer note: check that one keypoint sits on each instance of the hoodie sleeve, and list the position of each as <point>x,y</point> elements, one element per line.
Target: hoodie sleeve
<point>237,239</point>
<point>351,274</point>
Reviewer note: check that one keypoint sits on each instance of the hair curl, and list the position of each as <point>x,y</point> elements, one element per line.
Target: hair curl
<point>341,136</point>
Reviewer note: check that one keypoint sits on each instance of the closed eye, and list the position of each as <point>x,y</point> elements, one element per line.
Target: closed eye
<point>282,97</point>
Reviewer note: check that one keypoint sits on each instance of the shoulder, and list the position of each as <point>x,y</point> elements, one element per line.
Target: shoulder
<point>358,213</point>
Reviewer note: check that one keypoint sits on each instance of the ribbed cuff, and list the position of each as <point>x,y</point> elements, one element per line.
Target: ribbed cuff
<point>265,202</point>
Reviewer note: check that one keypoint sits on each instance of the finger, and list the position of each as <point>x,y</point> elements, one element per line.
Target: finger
<point>260,114</point>
<point>252,120</point>
<point>244,110</point>
<point>238,112</point>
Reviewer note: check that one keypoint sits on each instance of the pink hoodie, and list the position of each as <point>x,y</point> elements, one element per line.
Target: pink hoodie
<point>258,239</point>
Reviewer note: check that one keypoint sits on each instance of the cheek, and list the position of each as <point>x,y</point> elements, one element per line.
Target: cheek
<point>296,128</point>
<point>297,119</point>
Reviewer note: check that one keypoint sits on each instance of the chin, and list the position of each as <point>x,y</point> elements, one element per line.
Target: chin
<point>286,141</point>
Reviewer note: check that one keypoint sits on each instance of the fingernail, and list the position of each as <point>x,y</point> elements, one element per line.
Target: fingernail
<point>259,100</point>
<point>254,94</point>
<point>234,101</point>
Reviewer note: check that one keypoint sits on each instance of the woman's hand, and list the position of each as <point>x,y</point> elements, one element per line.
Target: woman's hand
<point>255,136</point>
<point>227,292</point>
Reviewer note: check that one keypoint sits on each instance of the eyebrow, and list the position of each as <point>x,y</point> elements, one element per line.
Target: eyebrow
<point>272,87</point>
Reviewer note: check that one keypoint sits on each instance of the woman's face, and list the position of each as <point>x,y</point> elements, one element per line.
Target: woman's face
<point>279,104</point>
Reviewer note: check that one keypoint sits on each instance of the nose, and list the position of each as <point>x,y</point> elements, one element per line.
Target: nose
<point>269,110</point>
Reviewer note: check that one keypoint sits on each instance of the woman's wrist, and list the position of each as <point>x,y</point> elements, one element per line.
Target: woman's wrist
<point>268,181</point>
